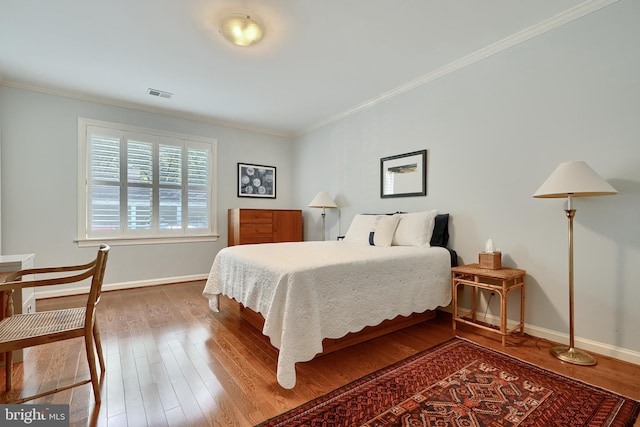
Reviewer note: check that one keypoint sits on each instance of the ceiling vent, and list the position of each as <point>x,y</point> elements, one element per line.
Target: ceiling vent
<point>160,93</point>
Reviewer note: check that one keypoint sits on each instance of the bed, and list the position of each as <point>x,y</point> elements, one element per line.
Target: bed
<point>311,291</point>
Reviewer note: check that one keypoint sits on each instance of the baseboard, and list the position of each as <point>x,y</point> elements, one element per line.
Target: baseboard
<point>63,292</point>
<point>585,344</point>
<point>555,336</point>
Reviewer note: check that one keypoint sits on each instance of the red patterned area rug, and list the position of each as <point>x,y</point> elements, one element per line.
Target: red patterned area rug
<point>459,383</point>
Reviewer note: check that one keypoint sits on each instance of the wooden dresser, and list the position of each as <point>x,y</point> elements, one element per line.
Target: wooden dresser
<point>264,226</point>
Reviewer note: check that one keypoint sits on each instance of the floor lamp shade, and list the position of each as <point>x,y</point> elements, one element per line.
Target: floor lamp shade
<point>574,178</point>
<point>323,200</point>
<point>569,180</point>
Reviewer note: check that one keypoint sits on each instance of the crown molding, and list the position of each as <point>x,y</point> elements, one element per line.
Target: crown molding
<point>513,40</point>
<point>140,107</point>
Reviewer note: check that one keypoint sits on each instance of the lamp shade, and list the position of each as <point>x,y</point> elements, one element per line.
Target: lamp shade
<point>322,200</point>
<point>574,178</point>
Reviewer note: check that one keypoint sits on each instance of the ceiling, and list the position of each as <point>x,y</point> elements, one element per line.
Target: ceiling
<point>318,60</point>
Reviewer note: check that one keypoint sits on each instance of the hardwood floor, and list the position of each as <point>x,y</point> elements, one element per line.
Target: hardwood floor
<point>171,361</point>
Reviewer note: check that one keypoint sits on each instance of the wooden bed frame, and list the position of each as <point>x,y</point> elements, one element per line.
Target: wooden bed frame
<point>330,345</point>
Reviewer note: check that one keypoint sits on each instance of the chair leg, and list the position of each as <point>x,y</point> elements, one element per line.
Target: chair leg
<point>8,368</point>
<point>88,341</point>
<point>98,344</point>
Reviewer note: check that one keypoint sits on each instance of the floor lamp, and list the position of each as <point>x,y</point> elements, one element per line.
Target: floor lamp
<point>573,179</point>
<point>323,200</point>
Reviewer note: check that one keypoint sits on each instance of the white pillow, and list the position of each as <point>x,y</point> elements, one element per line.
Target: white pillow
<point>374,230</point>
<point>359,229</point>
<point>383,229</point>
<point>415,229</point>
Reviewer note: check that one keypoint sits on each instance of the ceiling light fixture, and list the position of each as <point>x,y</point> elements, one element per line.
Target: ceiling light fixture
<point>241,30</point>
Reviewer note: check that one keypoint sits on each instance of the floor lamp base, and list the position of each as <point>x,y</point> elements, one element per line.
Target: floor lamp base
<point>573,355</point>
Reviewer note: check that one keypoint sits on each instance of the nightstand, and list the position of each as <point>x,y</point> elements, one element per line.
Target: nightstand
<point>501,281</point>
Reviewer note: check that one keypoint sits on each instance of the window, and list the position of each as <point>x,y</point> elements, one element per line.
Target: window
<point>140,185</point>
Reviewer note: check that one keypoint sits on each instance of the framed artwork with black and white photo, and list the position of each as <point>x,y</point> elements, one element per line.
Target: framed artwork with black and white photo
<point>256,181</point>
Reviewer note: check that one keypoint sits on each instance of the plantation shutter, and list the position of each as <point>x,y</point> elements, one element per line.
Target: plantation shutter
<point>104,194</point>
<point>144,185</point>
<point>170,191</point>
<point>198,187</point>
<point>140,181</point>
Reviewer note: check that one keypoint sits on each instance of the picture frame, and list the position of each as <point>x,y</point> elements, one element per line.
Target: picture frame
<point>404,175</point>
<point>257,181</point>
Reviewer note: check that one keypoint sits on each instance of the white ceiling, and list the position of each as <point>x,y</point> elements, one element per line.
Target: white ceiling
<point>319,59</point>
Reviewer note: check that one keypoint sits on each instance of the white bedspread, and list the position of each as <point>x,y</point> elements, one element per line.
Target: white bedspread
<point>308,291</point>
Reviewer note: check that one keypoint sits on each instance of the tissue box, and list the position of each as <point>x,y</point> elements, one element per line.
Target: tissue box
<point>490,260</point>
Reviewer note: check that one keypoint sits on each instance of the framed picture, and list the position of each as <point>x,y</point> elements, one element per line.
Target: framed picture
<point>256,181</point>
<point>404,175</point>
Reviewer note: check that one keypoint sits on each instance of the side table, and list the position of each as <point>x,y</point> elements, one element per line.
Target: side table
<point>501,281</point>
<point>23,302</point>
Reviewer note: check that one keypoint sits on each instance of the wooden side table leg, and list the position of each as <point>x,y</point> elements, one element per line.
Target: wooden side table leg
<point>522,307</point>
<point>503,314</point>
<point>455,303</point>
<point>473,302</point>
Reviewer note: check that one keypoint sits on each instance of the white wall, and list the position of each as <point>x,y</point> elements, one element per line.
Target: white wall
<point>0,190</point>
<point>494,131</point>
<point>39,162</point>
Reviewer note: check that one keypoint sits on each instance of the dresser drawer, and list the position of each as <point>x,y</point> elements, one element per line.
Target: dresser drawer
<point>256,217</point>
<point>256,230</point>
<point>251,240</point>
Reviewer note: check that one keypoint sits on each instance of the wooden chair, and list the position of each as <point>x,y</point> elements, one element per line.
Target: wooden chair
<point>18,331</point>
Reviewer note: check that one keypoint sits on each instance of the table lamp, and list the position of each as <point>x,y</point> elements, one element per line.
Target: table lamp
<point>323,200</point>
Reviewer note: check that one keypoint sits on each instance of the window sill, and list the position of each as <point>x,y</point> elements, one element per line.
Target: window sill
<point>129,241</point>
